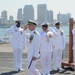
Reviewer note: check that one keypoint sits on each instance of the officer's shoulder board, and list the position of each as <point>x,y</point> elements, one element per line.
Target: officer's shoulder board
<point>35,32</point>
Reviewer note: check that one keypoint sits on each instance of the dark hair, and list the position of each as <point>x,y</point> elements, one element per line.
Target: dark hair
<point>44,25</point>
<point>57,23</point>
<point>18,24</point>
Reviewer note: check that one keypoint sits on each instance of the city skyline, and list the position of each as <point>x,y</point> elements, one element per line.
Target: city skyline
<point>28,13</point>
<point>23,14</point>
<point>63,7</point>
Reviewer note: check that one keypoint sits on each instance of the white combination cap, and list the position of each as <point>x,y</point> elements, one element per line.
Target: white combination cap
<point>31,22</point>
<point>45,24</point>
<point>57,23</point>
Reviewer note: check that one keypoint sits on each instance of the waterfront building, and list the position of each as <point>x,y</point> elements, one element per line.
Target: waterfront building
<point>19,14</point>
<point>11,20</point>
<point>63,18</point>
<point>4,16</point>
<point>51,16</point>
<point>28,13</point>
<point>41,13</point>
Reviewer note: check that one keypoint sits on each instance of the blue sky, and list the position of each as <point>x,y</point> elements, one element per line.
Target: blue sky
<point>64,6</point>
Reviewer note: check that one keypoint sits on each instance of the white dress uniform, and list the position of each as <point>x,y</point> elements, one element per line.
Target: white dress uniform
<point>18,44</point>
<point>33,49</point>
<point>73,32</point>
<point>59,44</point>
<point>46,50</point>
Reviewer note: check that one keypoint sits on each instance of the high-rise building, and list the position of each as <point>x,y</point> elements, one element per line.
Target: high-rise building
<point>4,16</point>
<point>64,18</point>
<point>10,22</point>
<point>28,13</point>
<point>48,16</point>
<point>0,21</point>
<point>19,14</point>
<point>51,16</point>
<point>11,19</point>
<point>41,13</point>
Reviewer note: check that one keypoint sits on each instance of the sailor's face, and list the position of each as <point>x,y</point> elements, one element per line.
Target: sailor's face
<point>31,27</point>
<point>44,28</point>
<point>57,26</point>
<point>18,25</point>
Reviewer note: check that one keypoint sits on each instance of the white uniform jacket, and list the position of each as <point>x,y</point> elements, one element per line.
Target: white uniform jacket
<point>46,40</point>
<point>18,37</point>
<point>59,42</point>
<point>33,46</point>
<point>73,32</point>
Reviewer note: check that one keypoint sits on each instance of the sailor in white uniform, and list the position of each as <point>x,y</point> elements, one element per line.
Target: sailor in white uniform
<point>59,44</point>
<point>17,43</point>
<point>73,32</point>
<point>33,48</point>
<point>46,47</point>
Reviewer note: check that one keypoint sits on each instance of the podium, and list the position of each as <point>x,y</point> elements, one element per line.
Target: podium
<point>70,63</point>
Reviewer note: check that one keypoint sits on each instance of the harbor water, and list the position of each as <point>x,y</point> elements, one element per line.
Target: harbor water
<point>65,29</point>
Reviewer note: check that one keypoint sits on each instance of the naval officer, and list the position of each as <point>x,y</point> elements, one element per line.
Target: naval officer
<point>17,43</point>
<point>46,47</point>
<point>73,32</point>
<point>59,44</point>
<point>33,48</point>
